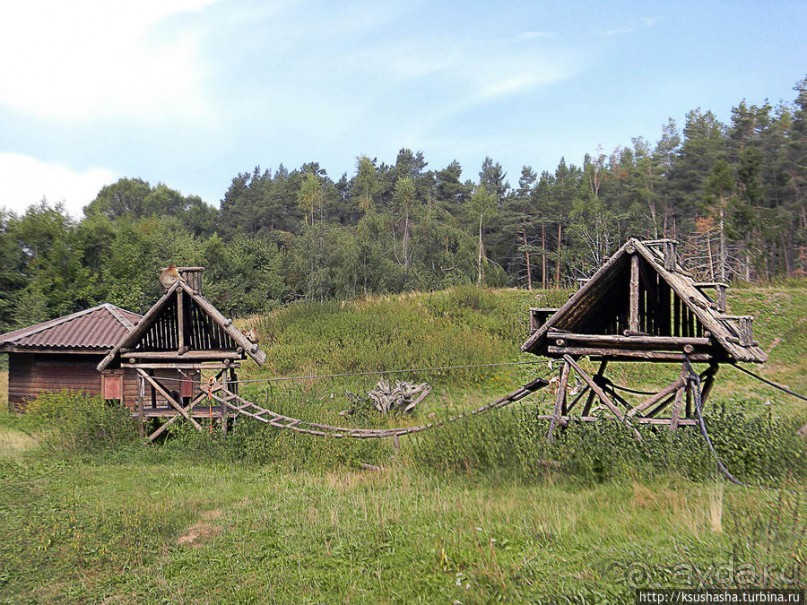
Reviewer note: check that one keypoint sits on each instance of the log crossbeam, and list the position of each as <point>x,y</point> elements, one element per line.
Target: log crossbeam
<point>676,396</point>
<point>183,411</point>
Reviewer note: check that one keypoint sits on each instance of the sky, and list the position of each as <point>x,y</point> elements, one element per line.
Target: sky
<point>192,92</point>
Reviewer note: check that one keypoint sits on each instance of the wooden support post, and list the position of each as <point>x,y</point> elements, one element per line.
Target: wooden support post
<point>224,416</point>
<point>676,315</point>
<point>676,411</point>
<point>180,322</point>
<point>669,255</point>
<point>591,395</point>
<point>568,408</point>
<point>633,318</point>
<point>709,382</point>
<point>559,401</point>
<point>156,385</point>
<point>720,295</point>
<point>688,408</point>
<point>141,418</point>
<point>153,393</point>
<point>173,419</point>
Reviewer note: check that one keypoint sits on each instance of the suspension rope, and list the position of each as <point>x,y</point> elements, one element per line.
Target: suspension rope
<point>617,387</point>
<point>784,389</point>
<point>374,372</point>
<point>695,386</point>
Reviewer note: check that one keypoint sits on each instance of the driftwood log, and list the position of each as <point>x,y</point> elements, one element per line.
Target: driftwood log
<point>401,397</point>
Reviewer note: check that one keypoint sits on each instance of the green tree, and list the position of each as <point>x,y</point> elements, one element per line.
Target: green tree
<point>310,196</point>
<point>365,183</point>
<point>719,190</point>
<point>482,206</point>
<point>404,203</point>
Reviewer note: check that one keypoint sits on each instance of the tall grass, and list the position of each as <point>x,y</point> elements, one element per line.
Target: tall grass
<point>3,388</point>
<point>761,450</point>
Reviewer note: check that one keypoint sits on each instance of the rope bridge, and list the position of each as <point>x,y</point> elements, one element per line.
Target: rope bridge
<point>243,407</point>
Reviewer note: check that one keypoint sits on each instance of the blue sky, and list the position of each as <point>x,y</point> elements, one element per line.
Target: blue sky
<point>192,92</point>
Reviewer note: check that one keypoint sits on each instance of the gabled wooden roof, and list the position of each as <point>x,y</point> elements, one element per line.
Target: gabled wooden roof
<point>93,330</point>
<point>600,307</point>
<point>205,332</point>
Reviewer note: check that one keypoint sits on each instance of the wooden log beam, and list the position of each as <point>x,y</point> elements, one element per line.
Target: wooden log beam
<point>592,394</point>
<point>637,340</point>
<point>181,366</point>
<point>618,353</point>
<point>180,322</point>
<point>167,396</point>
<point>601,394</point>
<point>579,396</point>
<point>675,420</point>
<point>663,404</point>
<point>164,427</point>
<point>654,399</point>
<point>212,355</point>
<point>633,317</point>
<point>559,400</point>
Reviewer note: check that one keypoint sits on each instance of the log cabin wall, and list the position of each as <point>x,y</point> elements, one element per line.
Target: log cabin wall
<point>30,374</point>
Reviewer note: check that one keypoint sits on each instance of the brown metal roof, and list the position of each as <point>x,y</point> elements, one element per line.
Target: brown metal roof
<point>99,328</point>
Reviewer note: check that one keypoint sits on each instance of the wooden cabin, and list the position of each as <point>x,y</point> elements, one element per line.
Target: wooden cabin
<point>641,306</point>
<point>181,349</point>
<point>63,354</point>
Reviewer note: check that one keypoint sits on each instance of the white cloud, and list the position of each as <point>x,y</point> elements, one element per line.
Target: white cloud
<point>87,59</point>
<point>643,23</point>
<point>25,180</point>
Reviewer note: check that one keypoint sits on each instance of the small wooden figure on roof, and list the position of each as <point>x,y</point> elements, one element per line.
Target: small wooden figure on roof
<point>641,305</point>
<point>179,338</point>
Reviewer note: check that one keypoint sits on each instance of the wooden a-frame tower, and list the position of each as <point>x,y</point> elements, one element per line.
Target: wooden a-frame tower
<point>641,305</point>
<point>181,336</point>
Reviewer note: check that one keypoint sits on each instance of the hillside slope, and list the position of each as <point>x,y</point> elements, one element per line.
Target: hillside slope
<point>470,326</point>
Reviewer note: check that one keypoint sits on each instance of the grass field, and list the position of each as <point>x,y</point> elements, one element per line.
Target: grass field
<point>468,514</point>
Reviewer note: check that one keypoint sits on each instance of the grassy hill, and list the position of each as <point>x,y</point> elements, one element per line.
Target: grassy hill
<point>469,326</point>
<point>476,512</point>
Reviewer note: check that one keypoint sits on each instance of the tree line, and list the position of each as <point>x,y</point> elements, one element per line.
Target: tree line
<point>733,195</point>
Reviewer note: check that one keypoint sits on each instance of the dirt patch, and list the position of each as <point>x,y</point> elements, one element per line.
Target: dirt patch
<point>202,530</point>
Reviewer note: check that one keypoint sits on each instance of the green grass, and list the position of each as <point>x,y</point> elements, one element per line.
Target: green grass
<point>166,530</point>
<point>471,513</point>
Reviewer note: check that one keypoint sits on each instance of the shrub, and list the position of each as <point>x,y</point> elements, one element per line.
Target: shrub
<point>76,423</point>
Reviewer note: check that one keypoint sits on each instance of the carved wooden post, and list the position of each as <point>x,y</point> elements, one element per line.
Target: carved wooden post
<point>633,320</point>
<point>559,401</point>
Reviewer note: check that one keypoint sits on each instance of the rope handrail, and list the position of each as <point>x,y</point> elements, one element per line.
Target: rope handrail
<point>367,373</point>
